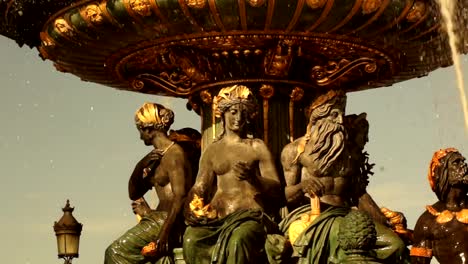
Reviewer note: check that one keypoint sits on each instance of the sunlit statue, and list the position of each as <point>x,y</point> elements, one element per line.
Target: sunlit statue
<point>442,230</point>
<point>325,178</point>
<point>166,168</point>
<point>237,177</point>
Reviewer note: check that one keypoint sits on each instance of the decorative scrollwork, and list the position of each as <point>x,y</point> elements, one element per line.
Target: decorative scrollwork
<point>325,75</point>
<point>167,86</point>
<point>370,67</point>
<point>137,84</point>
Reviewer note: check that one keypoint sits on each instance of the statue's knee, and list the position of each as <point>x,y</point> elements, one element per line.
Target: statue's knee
<point>188,241</point>
<point>247,233</point>
<point>110,250</point>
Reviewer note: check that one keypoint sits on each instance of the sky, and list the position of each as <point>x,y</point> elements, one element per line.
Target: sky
<point>62,138</point>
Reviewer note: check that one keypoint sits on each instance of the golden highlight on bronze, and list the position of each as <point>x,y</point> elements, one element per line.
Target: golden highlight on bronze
<point>94,14</point>
<point>421,252</point>
<point>198,4</point>
<point>297,227</point>
<point>147,115</point>
<point>141,7</point>
<point>231,94</point>
<point>199,209</point>
<point>447,216</point>
<point>62,26</point>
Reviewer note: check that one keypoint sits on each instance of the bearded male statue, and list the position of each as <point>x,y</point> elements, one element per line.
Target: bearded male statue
<point>319,170</point>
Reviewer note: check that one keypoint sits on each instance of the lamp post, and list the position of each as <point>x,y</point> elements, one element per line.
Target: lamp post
<point>68,232</point>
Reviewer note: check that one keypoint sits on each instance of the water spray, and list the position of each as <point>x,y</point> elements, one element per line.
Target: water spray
<point>447,8</point>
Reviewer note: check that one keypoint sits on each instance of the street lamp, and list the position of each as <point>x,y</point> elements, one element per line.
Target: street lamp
<point>68,232</point>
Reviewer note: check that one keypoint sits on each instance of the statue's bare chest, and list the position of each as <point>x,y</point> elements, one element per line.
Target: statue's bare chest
<point>450,238</point>
<point>227,156</point>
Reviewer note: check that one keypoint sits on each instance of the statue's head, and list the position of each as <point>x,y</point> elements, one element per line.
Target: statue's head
<point>326,130</point>
<point>357,127</point>
<point>447,170</point>
<point>330,105</point>
<point>236,106</point>
<point>151,118</point>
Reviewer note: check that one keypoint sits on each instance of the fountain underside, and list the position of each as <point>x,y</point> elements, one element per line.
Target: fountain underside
<point>286,51</point>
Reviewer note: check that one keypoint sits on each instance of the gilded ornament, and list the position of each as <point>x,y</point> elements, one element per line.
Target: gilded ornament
<point>370,67</point>
<point>447,216</point>
<point>417,11</point>
<point>421,252</point>
<point>93,13</point>
<point>297,94</point>
<point>199,209</point>
<point>198,4</point>
<point>62,27</point>
<point>206,97</point>
<point>137,84</point>
<point>267,91</point>
<point>370,6</point>
<point>141,7</point>
<point>314,4</point>
<point>256,3</point>
<point>46,40</point>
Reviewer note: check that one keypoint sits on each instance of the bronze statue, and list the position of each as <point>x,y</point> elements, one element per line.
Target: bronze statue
<point>328,170</point>
<point>166,168</point>
<point>236,178</point>
<point>441,231</point>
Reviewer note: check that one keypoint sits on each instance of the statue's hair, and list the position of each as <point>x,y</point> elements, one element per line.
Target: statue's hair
<point>438,172</point>
<point>153,115</point>
<point>232,95</point>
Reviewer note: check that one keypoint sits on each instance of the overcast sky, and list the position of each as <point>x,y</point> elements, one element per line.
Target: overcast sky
<point>62,138</point>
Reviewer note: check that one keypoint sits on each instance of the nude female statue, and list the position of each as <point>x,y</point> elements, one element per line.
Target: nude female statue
<point>168,170</point>
<point>227,218</point>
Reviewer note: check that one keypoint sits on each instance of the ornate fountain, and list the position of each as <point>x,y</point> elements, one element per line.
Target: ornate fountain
<point>286,52</point>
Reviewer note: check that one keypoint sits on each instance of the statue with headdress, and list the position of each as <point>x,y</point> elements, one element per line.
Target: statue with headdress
<point>442,230</point>
<point>168,168</point>
<point>227,206</point>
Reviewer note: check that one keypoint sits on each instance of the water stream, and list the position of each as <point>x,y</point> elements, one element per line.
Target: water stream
<point>447,8</point>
